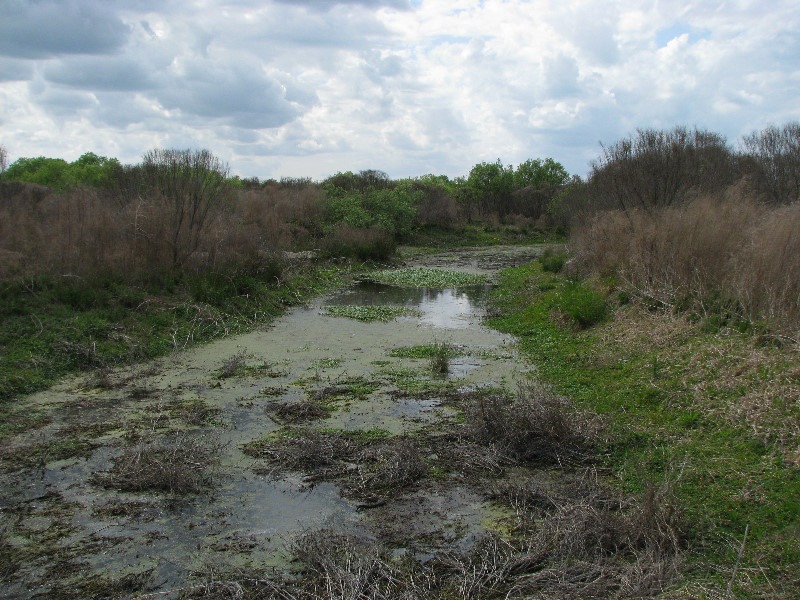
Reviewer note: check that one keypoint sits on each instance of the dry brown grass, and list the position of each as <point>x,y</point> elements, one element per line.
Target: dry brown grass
<point>388,466</point>
<point>728,249</point>
<point>298,412</point>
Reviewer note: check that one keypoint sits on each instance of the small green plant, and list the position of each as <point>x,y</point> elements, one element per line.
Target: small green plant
<point>584,304</point>
<point>422,351</point>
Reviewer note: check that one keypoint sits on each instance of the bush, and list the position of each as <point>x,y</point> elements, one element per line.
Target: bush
<point>551,262</point>
<point>584,304</point>
<point>534,426</point>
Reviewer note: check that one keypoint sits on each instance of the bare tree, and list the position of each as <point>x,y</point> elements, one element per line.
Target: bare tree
<point>776,153</point>
<point>3,159</point>
<point>191,184</point>
<point>658,168</point>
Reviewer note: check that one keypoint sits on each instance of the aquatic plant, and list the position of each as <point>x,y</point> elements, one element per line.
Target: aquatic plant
<point>369,313</point>
<point>440,358</point>
<point>424,277</point>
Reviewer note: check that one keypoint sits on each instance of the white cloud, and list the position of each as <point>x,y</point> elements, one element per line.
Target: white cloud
<point>306,88</point>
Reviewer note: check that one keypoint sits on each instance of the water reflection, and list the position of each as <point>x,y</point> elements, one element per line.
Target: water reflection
<point>446,308</point>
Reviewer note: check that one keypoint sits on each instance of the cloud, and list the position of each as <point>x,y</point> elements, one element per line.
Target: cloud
<point>561,76</point>
<point>233,92</point>
<point>12,69</point>
<point>99,73</point>
<point>44,28</point>
<point>316,86</point>
<point>324,5</point>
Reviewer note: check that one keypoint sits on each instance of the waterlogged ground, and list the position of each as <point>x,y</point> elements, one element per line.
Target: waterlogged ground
<point>149,479</point>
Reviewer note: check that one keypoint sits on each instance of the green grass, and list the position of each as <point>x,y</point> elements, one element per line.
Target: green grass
<point>668,405</point>
<point>426,277</point>
<point>369,314</point>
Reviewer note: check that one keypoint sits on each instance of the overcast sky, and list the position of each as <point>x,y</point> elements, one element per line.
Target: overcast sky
<point>311,87</point>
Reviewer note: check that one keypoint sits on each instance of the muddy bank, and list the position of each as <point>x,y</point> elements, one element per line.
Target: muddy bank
<point>145,480</point>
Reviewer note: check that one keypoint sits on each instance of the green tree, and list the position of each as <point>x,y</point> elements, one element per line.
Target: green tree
<point>489,187</point>
<point>537,172</point>
<point>51,172</point>
<point>91,169</point>
<point>59,175</point>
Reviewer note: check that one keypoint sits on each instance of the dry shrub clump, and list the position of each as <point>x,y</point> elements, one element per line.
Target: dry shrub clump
<point>578,539</point>
<point>181,463</point>
<point>536,426</point>
<point>369,466</point>
<point>389,466</point>
<point>588,547</point>
<point>320,454</point>
<point>344,566</point>
<point>298,412</point>
<point>727,249</point>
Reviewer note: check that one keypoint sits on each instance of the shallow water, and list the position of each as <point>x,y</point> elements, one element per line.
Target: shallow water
<point>246,517</point>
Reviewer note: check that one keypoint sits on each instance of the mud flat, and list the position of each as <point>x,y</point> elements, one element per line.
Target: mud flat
<point>232,457</point>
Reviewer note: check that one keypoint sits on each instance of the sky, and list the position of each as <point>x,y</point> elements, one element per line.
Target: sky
<point>308,88</point>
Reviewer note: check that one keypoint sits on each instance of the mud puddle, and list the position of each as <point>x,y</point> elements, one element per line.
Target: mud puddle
<point>138,480</point>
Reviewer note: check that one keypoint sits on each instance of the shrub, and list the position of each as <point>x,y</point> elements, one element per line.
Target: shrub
<point>584,304</point>
<point>715,256</point>
<point>179,464</point>
<point>552,262</point>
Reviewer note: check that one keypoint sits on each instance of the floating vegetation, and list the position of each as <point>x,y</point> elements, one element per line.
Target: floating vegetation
<point>326,363</point>
<point>370,313</point>
<point>426,277</point>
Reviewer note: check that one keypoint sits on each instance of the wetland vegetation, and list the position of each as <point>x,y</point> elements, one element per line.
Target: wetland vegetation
<point>509,385</point>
